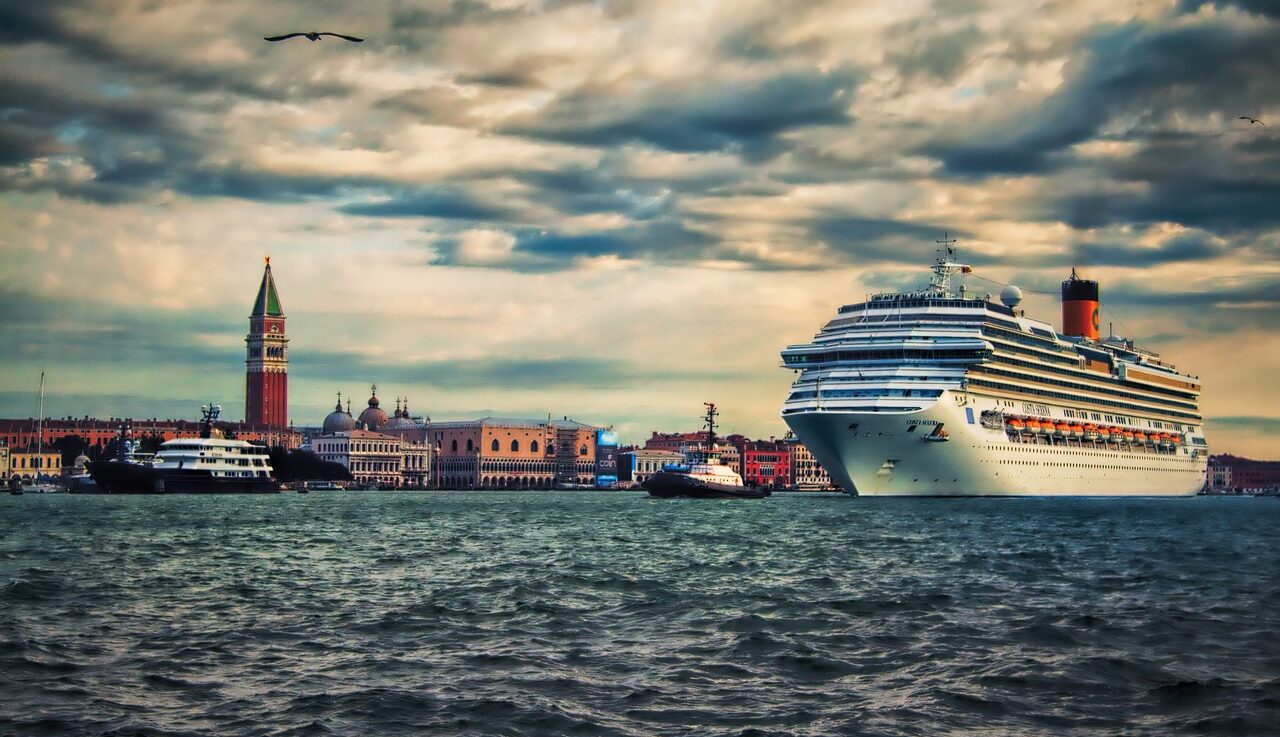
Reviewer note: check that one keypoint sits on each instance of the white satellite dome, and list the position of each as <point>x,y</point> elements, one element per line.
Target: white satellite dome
<point>1011,296</point>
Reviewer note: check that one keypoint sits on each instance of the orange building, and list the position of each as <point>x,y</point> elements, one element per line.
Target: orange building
<point>495,453</point>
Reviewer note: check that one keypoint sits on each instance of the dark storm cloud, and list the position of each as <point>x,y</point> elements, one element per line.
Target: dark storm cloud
<point>59,331</point>
<point>861,239</point>
<point>537,250</point>
<point>734,115</point>
<point>1186,247</point>
<point>441,202</point>
<point>582,190</point>
<point>50,23</point>
<point>1257,7</point>
<point>1135,69</point>
<point>517,374</point>
<point>1270,425</point>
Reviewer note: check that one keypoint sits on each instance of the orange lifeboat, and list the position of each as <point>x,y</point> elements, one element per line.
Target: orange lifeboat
<point>1062,428</point>
<point>1034,425</point>
<point>1140,437</point>
<point>1127,435</point>
<point>1104,433</point>
<point>1091,432</point>
<point>1015,425</point>
<point>1077,431</point>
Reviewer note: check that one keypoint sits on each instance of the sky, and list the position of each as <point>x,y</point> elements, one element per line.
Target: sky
<point>616,211</point>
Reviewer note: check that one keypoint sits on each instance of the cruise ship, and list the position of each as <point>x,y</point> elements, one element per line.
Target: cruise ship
<point>943,392</point>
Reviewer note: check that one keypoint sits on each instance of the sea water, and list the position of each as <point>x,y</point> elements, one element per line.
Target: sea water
<point>345,613</point>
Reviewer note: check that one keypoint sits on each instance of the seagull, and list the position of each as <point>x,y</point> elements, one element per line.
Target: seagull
<point>1251,120</point>
<point>312,36</point>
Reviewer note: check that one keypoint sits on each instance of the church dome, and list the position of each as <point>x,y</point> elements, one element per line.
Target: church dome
<point>373,417</point>
<point>401,420</point>
<point>338,421</point>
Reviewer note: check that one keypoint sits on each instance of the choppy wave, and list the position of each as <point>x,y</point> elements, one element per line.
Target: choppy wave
<point>614,614</point>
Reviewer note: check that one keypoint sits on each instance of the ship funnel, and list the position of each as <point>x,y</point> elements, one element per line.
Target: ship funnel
<point>1080,307</point>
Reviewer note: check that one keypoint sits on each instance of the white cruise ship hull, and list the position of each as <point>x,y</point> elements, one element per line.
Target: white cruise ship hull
<point>878,454</point>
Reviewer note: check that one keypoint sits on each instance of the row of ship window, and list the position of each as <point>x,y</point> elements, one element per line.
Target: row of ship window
<point>1175,393</point>
<point>1095,389</point>
<point>1063,395</point>
<point>1179,401</point>
<point>1058,450</point>
<point>909,354</point>
<point>849,393</point>
<point>1104,466</point>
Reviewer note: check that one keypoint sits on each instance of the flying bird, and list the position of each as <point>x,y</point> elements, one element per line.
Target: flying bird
<point>312,36</point>
<point>1252,120</point>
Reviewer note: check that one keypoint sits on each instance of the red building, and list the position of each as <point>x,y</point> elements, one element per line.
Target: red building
<point>266,394</point>
<point>766,463</point>
<point>1243,474</point>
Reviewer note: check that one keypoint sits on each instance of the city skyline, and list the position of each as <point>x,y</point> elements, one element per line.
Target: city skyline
<point>615,212</point>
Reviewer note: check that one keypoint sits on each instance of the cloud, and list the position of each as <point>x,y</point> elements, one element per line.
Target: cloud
<point>443,202</point>
<point>1135,71</point>
<point>1182,247</point>
<point>739,114</point>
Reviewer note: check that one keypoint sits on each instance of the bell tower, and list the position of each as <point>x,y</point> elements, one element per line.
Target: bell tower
<point>266,394</point>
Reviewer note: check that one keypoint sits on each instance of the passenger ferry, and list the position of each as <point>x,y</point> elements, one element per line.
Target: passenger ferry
<point>210,464</point>
<point>941,392</point>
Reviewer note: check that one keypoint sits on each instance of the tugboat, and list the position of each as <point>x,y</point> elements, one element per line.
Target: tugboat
<point>704,476</point>
<point>210,464</point>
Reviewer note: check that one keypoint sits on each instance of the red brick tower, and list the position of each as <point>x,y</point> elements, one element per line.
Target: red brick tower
<point>266,394</point>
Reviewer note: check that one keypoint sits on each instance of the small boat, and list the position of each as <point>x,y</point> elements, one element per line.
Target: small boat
<point>703,477</point>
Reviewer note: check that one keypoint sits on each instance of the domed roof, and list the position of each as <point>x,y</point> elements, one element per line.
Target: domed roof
<point>337,420</point>
<point>401,420</point>
<point>372,418</point>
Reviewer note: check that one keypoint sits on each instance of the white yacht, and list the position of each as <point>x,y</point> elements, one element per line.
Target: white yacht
<point>209,464</point>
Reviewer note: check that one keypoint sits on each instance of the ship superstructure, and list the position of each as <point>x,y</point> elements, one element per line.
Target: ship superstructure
<point>942,392</point>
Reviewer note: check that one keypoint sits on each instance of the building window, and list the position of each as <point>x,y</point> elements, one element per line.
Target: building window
<point>515,446</point>
<point>582,451</point>
<point>533,446</point>
<point>470,447</point>
<point>454,446</point>
<point>494,445</point>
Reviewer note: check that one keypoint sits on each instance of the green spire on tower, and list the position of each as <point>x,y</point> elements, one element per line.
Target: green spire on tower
<point>267,303</point>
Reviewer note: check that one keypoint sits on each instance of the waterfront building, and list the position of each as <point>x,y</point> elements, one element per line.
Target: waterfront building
<point>766,463</point>
<point>396,454</point>
<point>266,397</point>
<point>806,473</point>
<point>99,433</point>
<point>1233,473</point>
<point>639,464</point>
<point>497,453</point>
<point>4,461</point>
<point>34,464</point>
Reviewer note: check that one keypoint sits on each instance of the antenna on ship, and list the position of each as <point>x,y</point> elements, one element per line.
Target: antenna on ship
<point>946,265</point>
<point>710,419</point>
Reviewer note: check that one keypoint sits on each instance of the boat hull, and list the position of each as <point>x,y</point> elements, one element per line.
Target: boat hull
<point>885,454</point>
<point>117,477</point>
<point>667,485</point>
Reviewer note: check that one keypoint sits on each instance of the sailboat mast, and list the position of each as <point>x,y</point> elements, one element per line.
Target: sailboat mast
<point>40,432</point>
